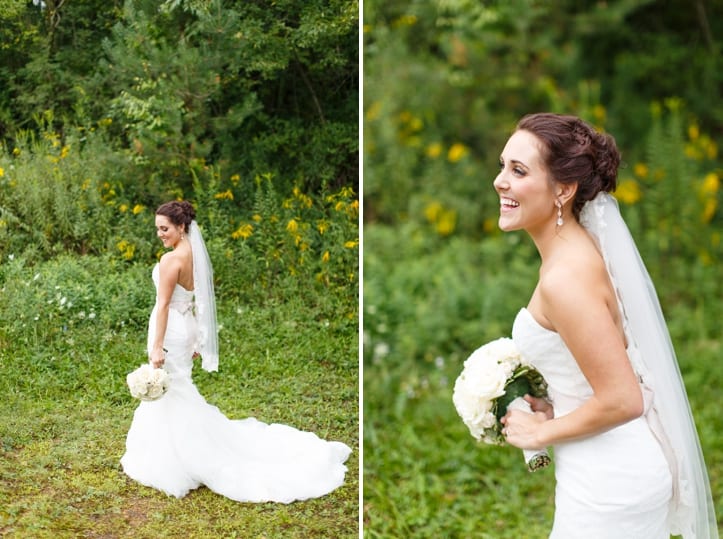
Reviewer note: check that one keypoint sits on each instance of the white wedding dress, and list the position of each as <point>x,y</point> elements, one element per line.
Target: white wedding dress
<point>180,442</point>
<point>613,485</point>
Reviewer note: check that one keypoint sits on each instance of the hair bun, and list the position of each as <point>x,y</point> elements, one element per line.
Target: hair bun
<point>607,161</point>
<point>188,210</point>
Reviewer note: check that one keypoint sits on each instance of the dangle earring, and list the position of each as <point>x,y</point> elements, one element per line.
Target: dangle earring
<point>560,222</point>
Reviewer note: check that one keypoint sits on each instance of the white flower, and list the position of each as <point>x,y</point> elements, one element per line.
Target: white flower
<point>147,383</point>
<point>482,381</point>
<point>381,350</point>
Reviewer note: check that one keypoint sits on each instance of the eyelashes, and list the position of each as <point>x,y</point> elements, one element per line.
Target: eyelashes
<point>516,170</point>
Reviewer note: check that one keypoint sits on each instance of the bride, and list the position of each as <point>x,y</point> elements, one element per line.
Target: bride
<point>628,463</point>
<point>180,442</point>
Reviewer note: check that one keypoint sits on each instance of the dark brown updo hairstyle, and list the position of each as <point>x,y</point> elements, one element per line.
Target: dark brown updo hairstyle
<point>179,212</point>
<point>573,151</point>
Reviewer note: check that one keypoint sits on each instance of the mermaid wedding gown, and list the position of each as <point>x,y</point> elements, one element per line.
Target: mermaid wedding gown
<point>180,442</point>
<point>614,485</point>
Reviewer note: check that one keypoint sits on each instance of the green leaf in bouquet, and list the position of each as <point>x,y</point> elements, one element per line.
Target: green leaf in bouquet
<point>517,387</point>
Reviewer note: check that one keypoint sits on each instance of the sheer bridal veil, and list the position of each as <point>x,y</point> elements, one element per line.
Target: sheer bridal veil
<point>691,514</point>
<point>207,344</point>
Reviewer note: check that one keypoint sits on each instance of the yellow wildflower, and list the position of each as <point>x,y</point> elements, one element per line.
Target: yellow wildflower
<point>456,152</point>
<point>434,150</point>
<point>351,244</point>
<point>235,179</point>
<point>226,195</point>
<point>433,211</point>
<point>138,208</point>
<point>340,206</point>
<point>693,152</point>
<point>325,257</point>
<point>373,111</point>
<point>447,222</point>
<point>711,184</point>
<point>404,20</point>
<point>705,258</point>
<point>599,113</point>
<point>244,231</point>
<point>711,149</point>
<point>640,170</point>
<point>126,249</point>
<point>16,151</point>
<point>292,225</point>
<point>123,208</point>
<point>64,152</point>
<point>347,192</point>
<point>2,172</point>
<point>628,192</point>
<point>322,226</point>
<point>256,218</point>
<point>711,205</point>
<point>693,132</point>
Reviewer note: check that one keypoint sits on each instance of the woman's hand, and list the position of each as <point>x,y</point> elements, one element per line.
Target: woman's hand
<point>158,357</point>
<point>540,405</point>
<point>522,429</point>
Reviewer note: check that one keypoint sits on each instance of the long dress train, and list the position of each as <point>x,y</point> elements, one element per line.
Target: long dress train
<point>180,442</point>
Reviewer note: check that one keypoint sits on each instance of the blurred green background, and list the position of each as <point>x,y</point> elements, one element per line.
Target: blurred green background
<point>445,82</point>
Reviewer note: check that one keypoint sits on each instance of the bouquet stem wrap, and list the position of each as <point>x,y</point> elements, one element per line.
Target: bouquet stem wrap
<point>534,458</point>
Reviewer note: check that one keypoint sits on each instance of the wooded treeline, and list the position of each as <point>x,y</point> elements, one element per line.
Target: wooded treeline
<point>175,87</point>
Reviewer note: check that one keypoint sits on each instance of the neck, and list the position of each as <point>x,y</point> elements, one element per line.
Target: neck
<point>550,238</point>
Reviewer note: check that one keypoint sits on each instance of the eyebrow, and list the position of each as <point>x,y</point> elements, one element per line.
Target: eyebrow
<point>515,161</point>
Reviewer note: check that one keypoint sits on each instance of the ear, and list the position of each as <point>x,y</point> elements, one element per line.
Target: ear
<point>565,192</point>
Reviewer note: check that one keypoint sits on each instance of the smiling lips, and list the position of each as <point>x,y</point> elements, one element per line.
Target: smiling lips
<point>508,203</point>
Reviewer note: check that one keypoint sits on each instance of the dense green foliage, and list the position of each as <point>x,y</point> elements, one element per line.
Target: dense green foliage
<point>445,83</point>
<point>250,87</point>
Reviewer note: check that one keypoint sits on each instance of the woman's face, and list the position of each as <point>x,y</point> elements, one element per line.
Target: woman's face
<point>527,197</point>
<point>167,232</point>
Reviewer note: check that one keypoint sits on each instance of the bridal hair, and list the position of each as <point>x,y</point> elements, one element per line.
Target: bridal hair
<point>180,212</point>
<point>574,152</point>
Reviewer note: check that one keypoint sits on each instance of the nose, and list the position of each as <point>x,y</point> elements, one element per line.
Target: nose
<point>501,183</point>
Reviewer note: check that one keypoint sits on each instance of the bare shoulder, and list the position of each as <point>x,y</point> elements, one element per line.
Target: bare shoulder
<point>575,282</point>
<point>170,265</point>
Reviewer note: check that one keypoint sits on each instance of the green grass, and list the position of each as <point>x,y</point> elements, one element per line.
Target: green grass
<point>66,409</point>
<point>427,305</point>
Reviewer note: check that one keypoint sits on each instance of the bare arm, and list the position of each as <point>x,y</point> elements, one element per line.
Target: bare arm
<point>575,304</point>
<point>169,270</point>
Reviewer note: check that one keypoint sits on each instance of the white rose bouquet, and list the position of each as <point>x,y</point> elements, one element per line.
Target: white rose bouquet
<point>496,377</point>
<point>147,383</point>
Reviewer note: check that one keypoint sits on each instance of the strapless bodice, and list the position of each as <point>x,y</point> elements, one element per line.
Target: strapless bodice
<point>549,354</point>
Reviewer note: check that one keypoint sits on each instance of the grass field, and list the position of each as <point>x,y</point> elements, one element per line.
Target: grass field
<point>73,328</point>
